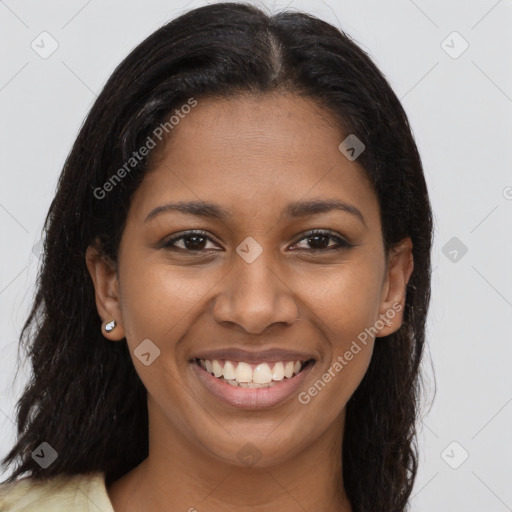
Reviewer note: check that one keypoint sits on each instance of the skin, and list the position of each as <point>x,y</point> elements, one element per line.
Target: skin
<point>252,156</point>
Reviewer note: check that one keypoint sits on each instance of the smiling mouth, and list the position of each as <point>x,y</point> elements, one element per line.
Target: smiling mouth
<point>248,375</point>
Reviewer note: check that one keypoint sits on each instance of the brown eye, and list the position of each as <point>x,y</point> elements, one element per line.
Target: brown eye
<point>319,241</point>
<point>194,242</point>
<point>191,241</point>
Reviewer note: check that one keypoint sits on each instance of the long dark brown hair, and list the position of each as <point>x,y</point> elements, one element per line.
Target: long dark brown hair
<point>85,398</point>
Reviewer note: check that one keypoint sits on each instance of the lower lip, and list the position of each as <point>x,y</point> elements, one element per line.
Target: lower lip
<point>250,398</point>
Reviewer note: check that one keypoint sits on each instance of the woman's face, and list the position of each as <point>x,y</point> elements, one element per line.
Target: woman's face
<point>253,287</point>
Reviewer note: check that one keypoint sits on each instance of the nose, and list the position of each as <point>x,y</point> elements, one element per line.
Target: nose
<point>254,296</point>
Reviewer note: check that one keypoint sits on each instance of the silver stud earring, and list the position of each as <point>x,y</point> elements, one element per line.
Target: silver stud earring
<point>110,326</point>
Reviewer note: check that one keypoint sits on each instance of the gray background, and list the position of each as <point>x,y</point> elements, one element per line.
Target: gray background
<point>460,108</point>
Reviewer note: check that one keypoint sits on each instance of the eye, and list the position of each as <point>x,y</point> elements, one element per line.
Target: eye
<point>196,241</point>
<point>191,241</point>
<point>319,239</point>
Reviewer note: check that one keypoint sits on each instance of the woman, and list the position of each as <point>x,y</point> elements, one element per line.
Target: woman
<point>236,275</point>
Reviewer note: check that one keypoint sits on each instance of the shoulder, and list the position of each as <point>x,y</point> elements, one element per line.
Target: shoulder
<point>66,493</point>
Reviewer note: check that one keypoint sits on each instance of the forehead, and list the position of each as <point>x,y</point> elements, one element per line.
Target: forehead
<point>253,153</point>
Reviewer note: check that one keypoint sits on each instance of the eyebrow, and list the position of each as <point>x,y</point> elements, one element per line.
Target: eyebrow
<point>294,210</point>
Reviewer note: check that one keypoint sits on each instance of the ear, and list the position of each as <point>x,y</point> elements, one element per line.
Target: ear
<point>106,287</point>
<point>399,270</point>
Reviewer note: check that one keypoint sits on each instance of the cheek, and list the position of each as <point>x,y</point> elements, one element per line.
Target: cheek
<point>331,391</point>
<point>346,299</point>
<point>347,305</point>
<point>157,299</point>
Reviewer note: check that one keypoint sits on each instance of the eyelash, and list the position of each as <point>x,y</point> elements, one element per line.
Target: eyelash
<point>342,243</point>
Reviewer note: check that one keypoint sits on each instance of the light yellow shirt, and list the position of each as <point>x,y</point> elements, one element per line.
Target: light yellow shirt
<point>78,493</point>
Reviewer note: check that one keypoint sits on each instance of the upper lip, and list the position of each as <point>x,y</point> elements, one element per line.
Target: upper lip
<point>254,356</point>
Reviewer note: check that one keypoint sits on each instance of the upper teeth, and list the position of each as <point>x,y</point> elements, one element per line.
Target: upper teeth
<point>262,373</point>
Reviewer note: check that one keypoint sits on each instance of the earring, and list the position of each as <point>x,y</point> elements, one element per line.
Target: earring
<point>110,326</point>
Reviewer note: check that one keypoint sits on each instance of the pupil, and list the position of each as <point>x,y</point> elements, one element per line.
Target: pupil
<point>316,237</point>
<point>195,242</point>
